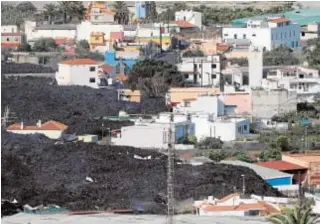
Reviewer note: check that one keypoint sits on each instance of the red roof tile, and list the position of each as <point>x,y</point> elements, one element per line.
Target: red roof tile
<point>107,68</point>
<point>116,35</point>
<point>10,44</point>
<point>79,61</point>
<point>11,34</point>
<point>49,125</point>
<point>223,47</point>
<point>183,24</point>
<point>60,41</point>
<point>280,20</point>
<point>226,198</point>
<point>280,165</point>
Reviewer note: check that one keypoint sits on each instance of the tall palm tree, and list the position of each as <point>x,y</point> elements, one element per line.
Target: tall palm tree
<point>121,12</point>
<point>297,215</point>
<point>71,9</point>
<point>50,11</point>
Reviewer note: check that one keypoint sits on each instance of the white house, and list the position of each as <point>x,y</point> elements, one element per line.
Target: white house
<point>9,29</point>
<point>51,129</point>
<point>146,134</point>
<point>268,33</point>
<point>234,205</point>
<point>81,71</point>
<point>304,81</point>
<point>310,31</point>
<point>60,31</point>
<point>85,28</point>
<point>190,16</point>
<point>204,71</point>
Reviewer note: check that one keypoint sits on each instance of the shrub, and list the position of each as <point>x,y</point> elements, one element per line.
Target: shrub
<point>210,143</point>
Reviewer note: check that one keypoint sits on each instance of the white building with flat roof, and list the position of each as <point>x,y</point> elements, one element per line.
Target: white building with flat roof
<point>304,81</point>
<point>268,33</point>
<point>202,71</point>
<point>190,16</point>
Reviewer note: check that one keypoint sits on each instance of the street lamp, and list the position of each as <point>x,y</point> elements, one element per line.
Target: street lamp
<point>243,184</point>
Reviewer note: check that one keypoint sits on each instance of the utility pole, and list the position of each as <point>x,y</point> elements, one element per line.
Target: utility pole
<point>6,119</point>
<point>170,174</point>
<point>201,73</point>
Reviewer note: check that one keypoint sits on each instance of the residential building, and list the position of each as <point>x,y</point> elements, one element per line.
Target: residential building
<point>157,132</point>
<point>201,71</point>
<point>266,33</point>
<point>112,59</point>
<point>189,16</point>
<point>310,31</point>
<point>9,29</point>
<point>57,31</point>
<point>85,28</point>
<point>39,58</point>
<point>298,172</point>
<point>88,138</point>
<point>271,176</point>
<point>182,26</point>
<point>142,9</point>
<point>83,72</point>
<point>51,129</point>
<point>98,12</point>
<point>304,81</point>
<point>266,104</point>
<point>309,160</point>
<point>11,40</point>
<point>234,205</point>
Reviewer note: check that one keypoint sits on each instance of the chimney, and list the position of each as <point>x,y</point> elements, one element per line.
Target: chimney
<point>39,123</point>
<point>21,126</point>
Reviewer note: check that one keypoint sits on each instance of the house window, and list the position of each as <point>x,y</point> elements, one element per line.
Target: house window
<point>8,39</point>
<point>254,35</point>
<point>225,35</point>
<point>244,36</point>
<point>92,80</point>
<point>290,33</point>
<point>271,36</point>
<point>200,65</point>
<point>213,76</point>
<point>187,104</point>
<point>97,38</point>
<point>297,44</point>
<point>245,127</point>
<point>235,36</point>
<point>213,66</point>
<point>186,76</point>
<point>239,129</point>
<point>303,34</point>
<point>194,66</point>
<point>294,33</point>
<point>92,69</point>
<point>281,35</point>
<point>301,76</point>
<point>292,44</point>
<point>285,35</point>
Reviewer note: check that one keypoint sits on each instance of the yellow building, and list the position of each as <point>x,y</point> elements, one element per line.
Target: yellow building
<point>96,39</point>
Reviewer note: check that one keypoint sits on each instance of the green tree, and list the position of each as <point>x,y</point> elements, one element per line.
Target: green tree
<point>26,7</point>
<point>242,156</point>
<point>153,77</point>
<point>44,45</point>
<point>153,14</point>
<point>190,53</point>
<point>121,12</point>
<point>218,155</point>
<point>210,143</point>
<point>281,55</point>
<point>24,47</point>
<point>313,55</point>
<point>71,9</point>
<point>297,215</point>
<point>283,143</point>
<point>271,154</point>
<point>50,11</point>
<point>188,140</point>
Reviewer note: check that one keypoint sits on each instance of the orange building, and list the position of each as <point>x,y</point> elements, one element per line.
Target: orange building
<point>311,161</point>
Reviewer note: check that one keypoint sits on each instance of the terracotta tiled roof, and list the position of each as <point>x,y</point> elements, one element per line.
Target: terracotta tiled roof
<point>10,44</point>
<point>223,47</point>
<point>183,24</point>
<point>260,206</point>
<point>280,165</point>
<point>79,61</point>
<point>60,41</point>
<point>280,20</point>
<point>11,34</point>
<point>269,208</point>
<point>228,197</point>
<point>190,99</point>
<point>122,77</point>
<point>49,125</point>
<point>106,68</point>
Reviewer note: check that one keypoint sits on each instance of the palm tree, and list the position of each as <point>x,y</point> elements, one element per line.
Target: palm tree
<point>72,9</point>
<point>121,12</point>
<point>297,215</point>
<point>50,11</point>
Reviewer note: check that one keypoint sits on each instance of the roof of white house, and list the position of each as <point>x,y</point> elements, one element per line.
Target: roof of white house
<point>79,61</point>
<point>49,125</point>
<point>265,173</point>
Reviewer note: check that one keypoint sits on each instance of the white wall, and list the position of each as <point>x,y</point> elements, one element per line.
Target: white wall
<point>86,27</point>
<point>49,133</point>
<point>77,75</point>
<point>190,16</point>
<point>9,29</point>
<point>255,59</point>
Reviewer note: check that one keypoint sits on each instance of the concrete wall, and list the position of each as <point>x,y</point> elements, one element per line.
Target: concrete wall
<point>49,134</point>
<point>190,16</point>
<point>11,39</point>
<point>266,104</point>
<point>255,59</point>
<point>9,29</point>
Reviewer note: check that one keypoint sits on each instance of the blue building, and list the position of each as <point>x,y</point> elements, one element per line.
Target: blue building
<point>110,59</point>
<point>270,176</point>
<point>142,9</point>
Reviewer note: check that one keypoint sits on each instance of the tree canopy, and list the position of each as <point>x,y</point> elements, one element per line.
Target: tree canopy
<point>71,9</point>
<point>153,77</point>
<point>313,53</point>
<point>83,51</point>
<point>11,15</point>
<point>44,45</point>
<point>121,12</point>
<point>282,55</point>
<point>195,53</point>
